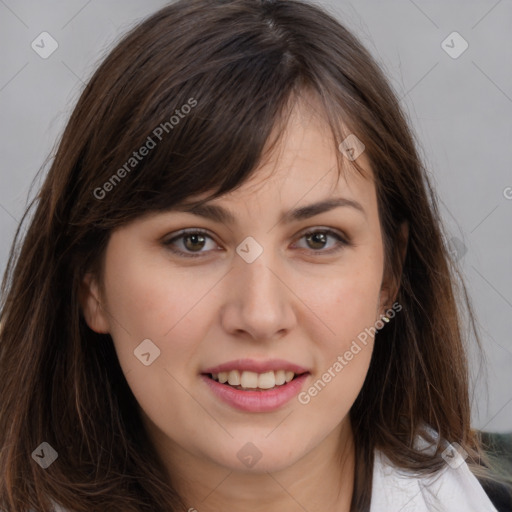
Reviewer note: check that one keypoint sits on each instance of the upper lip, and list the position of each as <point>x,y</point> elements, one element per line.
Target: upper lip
<point>257,366</point>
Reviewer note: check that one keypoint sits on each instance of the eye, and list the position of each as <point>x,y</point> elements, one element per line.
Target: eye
<point>193,241</point>
<point>317,239</point>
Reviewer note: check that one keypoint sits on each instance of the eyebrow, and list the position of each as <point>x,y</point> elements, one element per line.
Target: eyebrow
<point>222,215</point>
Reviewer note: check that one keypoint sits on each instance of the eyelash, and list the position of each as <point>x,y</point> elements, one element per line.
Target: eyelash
<point>341,242</point>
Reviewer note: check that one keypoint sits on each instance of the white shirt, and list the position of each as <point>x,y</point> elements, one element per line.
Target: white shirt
<point>452,489</point>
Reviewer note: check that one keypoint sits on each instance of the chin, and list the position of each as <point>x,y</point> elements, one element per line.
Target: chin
<point>257,454</point>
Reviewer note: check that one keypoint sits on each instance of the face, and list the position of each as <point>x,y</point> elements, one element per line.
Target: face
<point>256,300</point>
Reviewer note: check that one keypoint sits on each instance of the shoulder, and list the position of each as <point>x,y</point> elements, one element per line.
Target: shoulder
<point>452,489</point>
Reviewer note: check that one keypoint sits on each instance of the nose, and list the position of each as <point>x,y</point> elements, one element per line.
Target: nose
<point>260,303</point>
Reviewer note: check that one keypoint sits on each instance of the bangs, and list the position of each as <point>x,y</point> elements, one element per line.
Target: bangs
<point>204,132</point>
<point>197,114</point>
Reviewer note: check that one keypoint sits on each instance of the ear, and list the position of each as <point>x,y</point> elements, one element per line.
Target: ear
<point>90,301</point>
<point>390,285</point>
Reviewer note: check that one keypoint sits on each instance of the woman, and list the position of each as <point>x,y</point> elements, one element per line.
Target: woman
<point>234,289</point>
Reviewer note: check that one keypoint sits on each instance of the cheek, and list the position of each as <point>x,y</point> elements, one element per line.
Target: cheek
<point>347,299</point>
<point>348,306</point>
<point>149,295</point>
<point>146,301</point>
<point>344,356</point>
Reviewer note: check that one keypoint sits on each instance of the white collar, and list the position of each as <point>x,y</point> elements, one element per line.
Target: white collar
<point>452,489</point>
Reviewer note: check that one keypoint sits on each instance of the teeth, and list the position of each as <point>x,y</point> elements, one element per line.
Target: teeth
<point>266,380</point>
<point>249,380</point>
<point>253,380</point>
<point>234,378</point>
<point>280,377</point>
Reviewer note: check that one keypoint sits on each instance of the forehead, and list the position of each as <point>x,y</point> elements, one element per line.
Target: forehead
<point>304,166</point>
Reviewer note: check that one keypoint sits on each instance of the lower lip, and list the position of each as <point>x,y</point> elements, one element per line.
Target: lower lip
<point>257,401</point>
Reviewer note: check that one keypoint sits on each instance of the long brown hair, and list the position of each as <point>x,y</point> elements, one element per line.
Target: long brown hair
<point>237,65</point>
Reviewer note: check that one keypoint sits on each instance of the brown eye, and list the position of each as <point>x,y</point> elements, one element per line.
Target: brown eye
<point>190,243</point>
<point>197,241</point>
<point>318,239</point>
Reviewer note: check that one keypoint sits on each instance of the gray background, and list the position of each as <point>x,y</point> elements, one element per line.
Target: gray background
<point>460,109</point>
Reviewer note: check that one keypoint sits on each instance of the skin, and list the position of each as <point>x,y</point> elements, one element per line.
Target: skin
<point>294,302</point>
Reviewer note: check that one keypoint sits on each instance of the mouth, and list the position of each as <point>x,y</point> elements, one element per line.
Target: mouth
<point>253,381</point>
<point>251,391</point>
<point>253,385</point>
